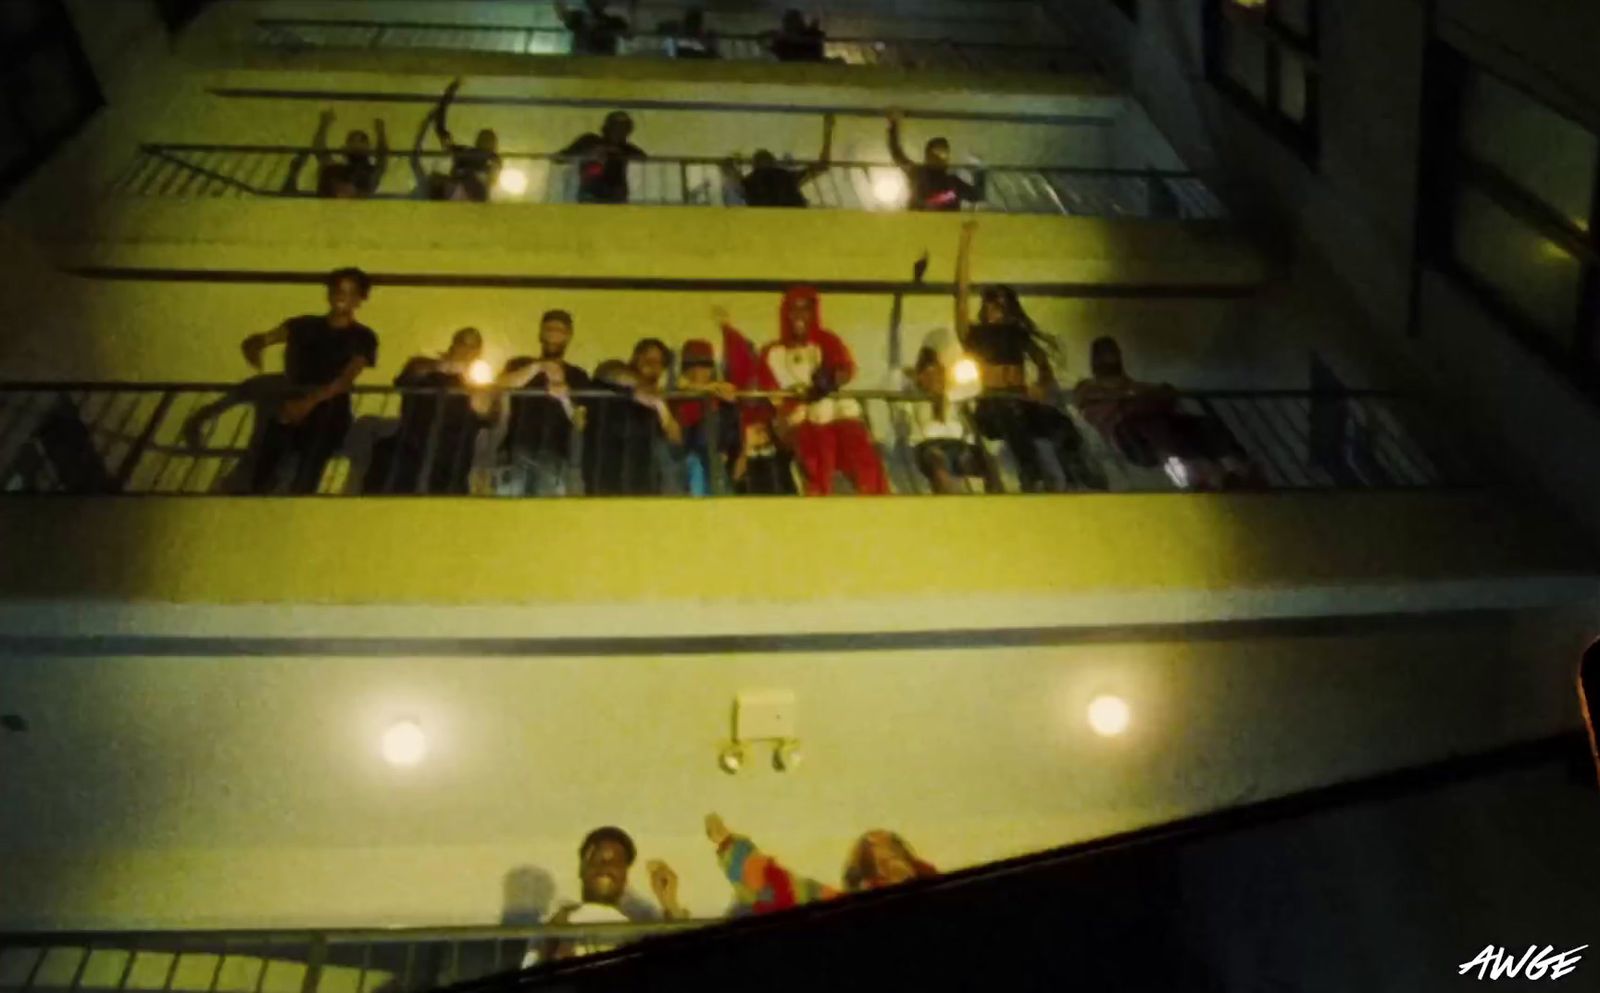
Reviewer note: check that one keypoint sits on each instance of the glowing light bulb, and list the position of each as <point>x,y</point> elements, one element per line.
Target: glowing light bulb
<point>513,181</point>
<point>480,372</point>
<point>404,744</point>
<point>964,372</point>
<point>889,188</point>
<point>1109,715</point>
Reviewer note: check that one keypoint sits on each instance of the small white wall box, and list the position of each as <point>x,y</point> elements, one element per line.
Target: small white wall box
<point>763,715</point>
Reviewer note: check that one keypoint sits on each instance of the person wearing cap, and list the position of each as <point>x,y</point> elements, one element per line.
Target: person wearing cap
<point>698,364</point>
<point>603,160</point>
<point>933,185</point>
<point>538,443</point>
<point>604,860</point>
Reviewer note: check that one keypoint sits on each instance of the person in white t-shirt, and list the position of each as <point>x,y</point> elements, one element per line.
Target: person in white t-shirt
<point>943,440</point>
<point>604,858</point>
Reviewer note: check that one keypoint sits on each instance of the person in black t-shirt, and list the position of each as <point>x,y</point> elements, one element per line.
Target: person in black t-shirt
<point>690,39</point>
<point>474,168</point>
<point>623,432</point>
<point>772,185</point>
<point>933,185</point>
<point>1003,341</point>
<point>797,40</point>
<point>538,442</point>
<point>594,30</point>
<point>443,424</point>
<point>322,358</point>
<point>603,160</point>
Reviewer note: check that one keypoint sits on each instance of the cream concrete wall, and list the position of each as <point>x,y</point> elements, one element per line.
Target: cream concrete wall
<point>189,792</point>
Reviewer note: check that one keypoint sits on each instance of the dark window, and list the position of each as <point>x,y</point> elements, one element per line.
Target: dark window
<point>1513,212</point>
<point>48,88</point>
<point>1263,55</point>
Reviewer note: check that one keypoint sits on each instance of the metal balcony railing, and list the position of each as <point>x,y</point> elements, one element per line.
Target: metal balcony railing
<point>198,171</point>
<point>287,34</point>
<point>199,439</point>
<point>374,960</point>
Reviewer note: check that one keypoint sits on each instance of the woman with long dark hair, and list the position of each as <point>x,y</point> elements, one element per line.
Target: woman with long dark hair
<point>1003,341</point>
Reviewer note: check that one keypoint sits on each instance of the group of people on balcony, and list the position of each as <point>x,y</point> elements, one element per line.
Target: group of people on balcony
<point>759,418</point>
<point>602,157</point>
<point>759,883</point>
<point>596,30</point>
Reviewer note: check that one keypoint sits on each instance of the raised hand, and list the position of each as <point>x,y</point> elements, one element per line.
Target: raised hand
<point>252,348</point>
<point>664,884</point>
<point>719,315</point>
<point>716,830</point>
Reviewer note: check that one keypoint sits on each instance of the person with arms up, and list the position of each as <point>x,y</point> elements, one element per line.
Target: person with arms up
<point>932,185</point>
<point>323,355</point>
<point>474,168</point>
<point>811,363</point>
<point>1003,341</point>
<point>595,31</point>
<point>354,172</point>
<point>603,160</point>
<point>769,184</point>
<point>440,417</point>
<point>762,885</point>
<point>538,443</point>
<point>604,860</point>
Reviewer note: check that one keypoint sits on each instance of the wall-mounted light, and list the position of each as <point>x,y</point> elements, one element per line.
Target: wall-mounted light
<point>480,373</point>
<point>513,181</point>
<point>786,757</point>
<point>761,716</point>
<point>889,188</point>
<point>731,758</point>
<point>1109,716</point>
<point>404,743</point>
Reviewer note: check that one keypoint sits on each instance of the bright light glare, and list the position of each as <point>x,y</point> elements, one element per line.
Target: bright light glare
<point>1109,715</point>
<point>513,181</point>
<point>480,372</point>
<point>964,372</point>
<point>889,188</point>
<point>404,743</point>
<point>1177,472</point>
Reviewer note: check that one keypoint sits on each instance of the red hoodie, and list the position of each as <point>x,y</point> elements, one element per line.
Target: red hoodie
<point>792,361</point>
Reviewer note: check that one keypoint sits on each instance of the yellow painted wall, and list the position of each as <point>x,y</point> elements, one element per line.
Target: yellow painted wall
<point>249,791</point>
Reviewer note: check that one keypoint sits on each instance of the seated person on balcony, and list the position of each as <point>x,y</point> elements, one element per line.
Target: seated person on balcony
<point>1012,411</point>
<point>944,444</point>
<point>323,355</point>
<point>877,859</point>
<point>694,416</point>
<point>690,39</point>
<point>1143,422</point>
<point>797,40</point>
<point>624,433</point>
<point>451,423</point>
<point>473,168</point>
<point>604,859</point>
<point>769,184</point>
<point>932,185</point>
<point>811,363</point>
<point>538,443</point>
<point>360,169</point>
<point>594,30</point>
<point>603,160</point>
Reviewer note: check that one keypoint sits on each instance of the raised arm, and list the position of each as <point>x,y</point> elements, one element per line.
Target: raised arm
<point>440,127</point>
<point>417,170</point>
<point>253,345</point>
<point>820,166</point>
<point>896,152</point>
<point>963,320</point>
<point>319,141</point>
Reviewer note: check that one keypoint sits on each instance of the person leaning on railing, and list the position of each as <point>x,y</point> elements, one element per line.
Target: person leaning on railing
<point>933,186</point>
<point>944,444</point>
<point>440,417</point>
<point>1002,342</point>
<point>690,39</point>
<point>710,422</point>
<point>603,160</point>
<point>323,355</point>
<point>769,184</point>
<point>595,31</point>
<point>537,450</point>
<point>797,40</point>
<point>1143,422</point>
<point>604,859</point>
<point>628,428</point>
<point>762,885</point>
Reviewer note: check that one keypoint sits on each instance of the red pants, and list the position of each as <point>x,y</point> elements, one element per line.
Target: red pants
<point>846,445</point>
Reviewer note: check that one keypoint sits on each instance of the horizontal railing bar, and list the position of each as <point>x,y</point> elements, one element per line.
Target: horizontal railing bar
<point>285,22</point>
<point>641,104</point>
<point>194,939</point>
<point>1074,170</point>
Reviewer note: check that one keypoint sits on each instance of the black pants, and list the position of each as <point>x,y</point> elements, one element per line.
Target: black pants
<point>943,461</point>
<point>1018,422</point>
<point>313,441</point>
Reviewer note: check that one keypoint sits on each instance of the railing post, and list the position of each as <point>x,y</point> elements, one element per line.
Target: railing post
<point>130,462</point>
<point>716,468</point>
<point>430,451</point>
<point>316,955</point>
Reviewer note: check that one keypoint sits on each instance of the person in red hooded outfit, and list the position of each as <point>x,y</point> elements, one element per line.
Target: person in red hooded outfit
<point>826,432</point>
